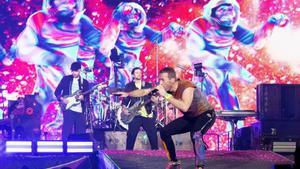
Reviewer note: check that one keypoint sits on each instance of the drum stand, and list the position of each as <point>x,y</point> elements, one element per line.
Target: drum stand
<point>113,111</point>
<point>161,108</point>
<point>118,64</point>
<point>89,119</point>
<point>88,114</point>
<point>97,109</point>
<point>116,123</point>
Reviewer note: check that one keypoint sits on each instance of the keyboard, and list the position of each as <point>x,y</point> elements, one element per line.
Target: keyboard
<point>235,113</point>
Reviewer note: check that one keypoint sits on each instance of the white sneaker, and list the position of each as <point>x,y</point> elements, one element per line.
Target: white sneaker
<point>174,165</point>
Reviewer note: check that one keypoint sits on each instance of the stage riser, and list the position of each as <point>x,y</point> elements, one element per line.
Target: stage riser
<point>116,140</point>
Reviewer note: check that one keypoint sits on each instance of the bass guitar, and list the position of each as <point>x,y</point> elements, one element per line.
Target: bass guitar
<point>133,111</point>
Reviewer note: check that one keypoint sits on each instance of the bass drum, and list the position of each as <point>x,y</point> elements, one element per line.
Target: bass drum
<point>123,125</point>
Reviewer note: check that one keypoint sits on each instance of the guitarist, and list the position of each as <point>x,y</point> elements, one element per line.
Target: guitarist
<point>75,115</point>
<point>146,118</point>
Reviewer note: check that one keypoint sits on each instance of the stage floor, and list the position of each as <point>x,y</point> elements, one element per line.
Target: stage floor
<point>144,159</point>
<point>148,159</point>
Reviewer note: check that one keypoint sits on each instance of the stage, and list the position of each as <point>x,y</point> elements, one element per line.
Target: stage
<point>110,153</point>
<point>248,159</point>
<point>145,159</point>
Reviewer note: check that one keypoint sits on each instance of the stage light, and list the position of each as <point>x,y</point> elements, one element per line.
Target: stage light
<point>18,147</point>
<point>49,146</point>
<point>284,146</point>
<point>79,147</point>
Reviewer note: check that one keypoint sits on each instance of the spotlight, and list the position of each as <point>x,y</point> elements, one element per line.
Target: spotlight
<point>284,147</point>
<point>49,146</point>
<point>18,147</point>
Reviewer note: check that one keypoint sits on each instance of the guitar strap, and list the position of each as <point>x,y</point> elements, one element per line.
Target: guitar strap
<point>143,84</point>
<point>142,87</point>
<point>80,82</point>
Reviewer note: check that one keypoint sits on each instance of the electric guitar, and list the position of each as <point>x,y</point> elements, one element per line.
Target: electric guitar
<point>73,98</point>
<point>133,111</point>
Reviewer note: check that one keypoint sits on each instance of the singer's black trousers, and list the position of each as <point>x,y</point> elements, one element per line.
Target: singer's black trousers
<point>186,124</point>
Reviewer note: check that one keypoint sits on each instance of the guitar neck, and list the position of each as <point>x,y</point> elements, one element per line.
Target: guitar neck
<point>88,91</point>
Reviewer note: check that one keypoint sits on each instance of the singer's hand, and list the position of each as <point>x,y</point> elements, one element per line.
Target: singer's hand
<point>161,90</point>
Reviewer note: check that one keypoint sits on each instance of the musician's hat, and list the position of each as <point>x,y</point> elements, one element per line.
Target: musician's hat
<point>75,66</point>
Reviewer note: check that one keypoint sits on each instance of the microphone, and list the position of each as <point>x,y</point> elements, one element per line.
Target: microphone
<point>154,92</point>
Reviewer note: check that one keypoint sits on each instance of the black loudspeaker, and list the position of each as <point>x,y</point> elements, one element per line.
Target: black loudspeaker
<point>247,138</point>
<point>242,139</point>
<point>278,107</point>
<point>283,166</point>
<point>278,101</point>
<point>27,117</point>
<point>280,128</point>
<point>297,157</point>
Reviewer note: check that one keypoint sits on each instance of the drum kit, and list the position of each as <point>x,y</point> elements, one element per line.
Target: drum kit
<point>106,109</point>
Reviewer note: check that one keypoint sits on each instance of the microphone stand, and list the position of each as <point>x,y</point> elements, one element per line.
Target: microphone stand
<point>199,74</point>
<point>88,116</point>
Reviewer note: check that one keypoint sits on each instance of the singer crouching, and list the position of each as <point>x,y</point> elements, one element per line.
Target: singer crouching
<point>198,116</point>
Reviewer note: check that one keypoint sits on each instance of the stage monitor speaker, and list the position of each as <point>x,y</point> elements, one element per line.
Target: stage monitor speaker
<point>247,138</point>
<point>280,129</point>
<point>278,102</point>
<point>26,114</point>
<point>297,157</point>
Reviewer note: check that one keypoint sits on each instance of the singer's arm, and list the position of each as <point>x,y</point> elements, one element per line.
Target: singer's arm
<point>140,92</point>
<point>136,93</point>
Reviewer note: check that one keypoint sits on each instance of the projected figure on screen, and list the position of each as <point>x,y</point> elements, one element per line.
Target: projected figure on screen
<point>209,41</point>
<point>127,32</point>
<point>2,53</point>
<point>55,37</point>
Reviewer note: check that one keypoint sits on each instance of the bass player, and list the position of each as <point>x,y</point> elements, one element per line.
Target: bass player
<point>146,117</point>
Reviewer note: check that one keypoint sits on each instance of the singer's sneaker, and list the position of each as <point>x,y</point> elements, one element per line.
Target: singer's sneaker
<point>198,164</point>
<point>174,165</point>
<point>199,167</point>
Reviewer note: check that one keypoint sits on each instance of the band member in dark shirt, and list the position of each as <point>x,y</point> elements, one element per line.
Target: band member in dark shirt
<point>198,114</point>
<point>145,117</point>
<point>73,107</point>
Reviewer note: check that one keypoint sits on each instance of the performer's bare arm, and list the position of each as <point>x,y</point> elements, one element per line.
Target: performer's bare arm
<point>184,103</point>
<point>135,93</point>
